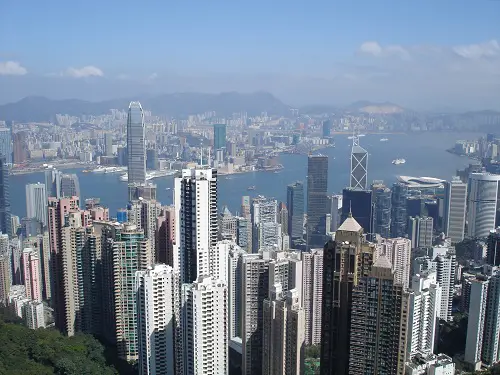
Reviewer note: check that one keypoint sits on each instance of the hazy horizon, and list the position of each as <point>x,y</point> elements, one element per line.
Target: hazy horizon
<point>420,55</point>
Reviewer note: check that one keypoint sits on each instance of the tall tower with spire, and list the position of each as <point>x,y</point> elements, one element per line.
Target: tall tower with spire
<point>359,165</point>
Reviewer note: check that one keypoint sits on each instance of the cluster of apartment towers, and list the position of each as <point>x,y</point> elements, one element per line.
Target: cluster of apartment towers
<point>185,290</point>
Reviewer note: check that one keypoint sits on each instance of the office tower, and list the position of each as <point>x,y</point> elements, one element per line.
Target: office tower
<point>243,232</point>
<point>219,136</point>
<point>359,204</point>
<point>227,225</point>
<point>312,294</point>
<point>415,206</point>
<point>36,202</point>
<point>423,314</point>
<point>53,183</point>
<point>266,230</point>
<point>380,307</point>
<point>493,252</point>
<point>6,145</point>
<point>108,144</point>
<point>420,231</point>
<point>359,165</point>
<point>345,261</point>
<point>295,205</point>
<point>284,323</point>
<point>158,325</point>
<point>398,251</point>
<point>317,207</point>
<point>5,216</point>
<point>136,148</point>
<point>327,128</point>
<point>165,236</point>
<point>399,217</point>
<point>58,209</point>
<point>143,214</point>
<point>34,316</point>
<point>20,147</point>
<point>131,253</point>
<point>335,204</point>
<point>195,200</point>
<point>32,274</point>
<point>70,186</point>
<point>5,277</point>
<point>204,322</point>
<point>382,205</point>
<point>151,159</point>
<point>482,204</point>
<point>455,209</point>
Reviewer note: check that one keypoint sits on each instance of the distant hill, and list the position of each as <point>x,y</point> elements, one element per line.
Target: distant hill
<point>39,109</point>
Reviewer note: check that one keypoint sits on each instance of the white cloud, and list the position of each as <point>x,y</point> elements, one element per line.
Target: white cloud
<point>86,71</point>
<point>375,49</point>
<point>478,51</point>
<point>371,48</point>
<point>12,68</point>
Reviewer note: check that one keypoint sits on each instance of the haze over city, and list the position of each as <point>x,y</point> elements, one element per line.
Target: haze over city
<point>422,55</point>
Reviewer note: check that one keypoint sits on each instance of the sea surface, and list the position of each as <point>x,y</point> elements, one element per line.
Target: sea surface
<point>425,155</point>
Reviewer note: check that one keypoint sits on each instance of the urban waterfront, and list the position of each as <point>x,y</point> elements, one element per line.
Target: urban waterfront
<point>425,155</point>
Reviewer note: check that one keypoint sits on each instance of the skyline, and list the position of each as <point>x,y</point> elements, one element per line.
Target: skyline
<point>419,55</point>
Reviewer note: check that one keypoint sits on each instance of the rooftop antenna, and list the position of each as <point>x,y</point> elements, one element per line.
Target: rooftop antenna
<point>350,208</point>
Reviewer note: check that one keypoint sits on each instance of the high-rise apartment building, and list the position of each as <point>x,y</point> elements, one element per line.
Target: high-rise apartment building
<point>284,323</point>
<point>165,236</point>
<point>358,203</point>
<point>5,215</point>
<point>6,144</point>
<point>136,144</point>
<point>219,136</point>
<point>234,288</point>
<point>196,224</point>
<point>345,261</point>
<point>36,202</point>
<point>70,185</point>
<point>455,209</point>
<point>423,313</point>
<point>317,202</point>
<point>246,214</point>
<point>58,209</point>
<point>144,214</point>
<point>32,274</point>
<point>5,277</point>
<point>482,204</point>
<point>445,265</point>
<point>158,325</point>
<point>382,206</point>
<point>283,218</point>
<point>312,294</point>
<point>399,216</point>
<point>204,322</point>
<point>33,315</point>
<point>398,251</point>
<point>378,323</point>
<point>359,166</point>
<point>131,253</point>
<point>493,251</point>
<point>295,205</point>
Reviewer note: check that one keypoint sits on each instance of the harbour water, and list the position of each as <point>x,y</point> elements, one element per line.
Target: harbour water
<point>424,153</point>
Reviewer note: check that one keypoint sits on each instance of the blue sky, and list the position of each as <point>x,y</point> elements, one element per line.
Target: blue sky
<point>302,51</point>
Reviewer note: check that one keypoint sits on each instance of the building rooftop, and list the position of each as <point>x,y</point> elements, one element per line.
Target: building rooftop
<point>350,225</point>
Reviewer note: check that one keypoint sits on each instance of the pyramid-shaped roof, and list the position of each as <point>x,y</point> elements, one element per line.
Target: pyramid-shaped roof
<point>350,225</point>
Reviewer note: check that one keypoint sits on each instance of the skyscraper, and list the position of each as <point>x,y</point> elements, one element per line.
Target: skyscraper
<point>493,252</point>
<point>359,166</point>
<point>455,209</point>
<point>247,215</point>
<point>317,202</point>
<point>482,205</point>
<point>36,202</point>
<point>358,203</point>
<point>5,216</point>
<point>381,209</point>
<point>204,322</point>
<point>219,136</point>
<point>420,231</point>
<point>266,231</point>
<point>5,277</point>
<point>6,144</point>
<point>165,236</point>
<point>108,144</point>
<point>53,183</point>
<point>312,294</point>
<point>326,129</point>
<point>295,204</point>
<point>399,217</point>
<point>345,261</point>
<point>20,147</point>
<point>136,147</point>
<point>196,224</point>
<point>70,186</point>
<point>398,251</point>
<point>158,325</point>
<point>32,274</point>
<point>378,323</point>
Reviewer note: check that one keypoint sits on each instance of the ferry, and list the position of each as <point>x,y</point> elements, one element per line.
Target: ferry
<point>398,161</point>
<point>361,135</point>
<point>251,188</point>
<point>99,170</point>
<point>384,139</point>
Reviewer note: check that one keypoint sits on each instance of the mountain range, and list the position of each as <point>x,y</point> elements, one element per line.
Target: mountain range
<point>41,109</point>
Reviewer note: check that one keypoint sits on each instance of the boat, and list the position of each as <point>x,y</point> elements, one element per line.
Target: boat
<point>398,161</point>
<point>167,189</point>
<point>251,188</point>
<point>124,177</point>
<point>384,139</point>
<point>99,170</point>
<point>361,135</point>
<point>350,137</point>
